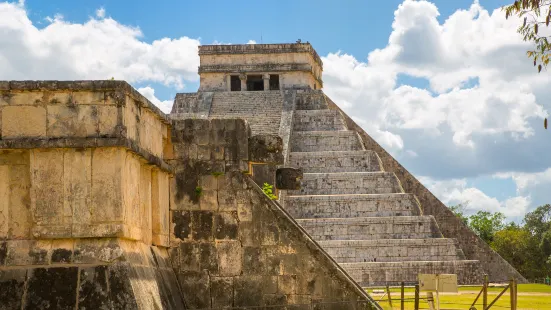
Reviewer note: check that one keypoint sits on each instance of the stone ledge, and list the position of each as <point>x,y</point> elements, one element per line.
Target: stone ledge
<point>85,85</point>
<point>40,143</point>
<point>260,49</point>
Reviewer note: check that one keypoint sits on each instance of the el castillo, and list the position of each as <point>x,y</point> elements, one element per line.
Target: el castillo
<point>108,203</point>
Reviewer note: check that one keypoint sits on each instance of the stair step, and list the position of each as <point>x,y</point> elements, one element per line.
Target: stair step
<point>371,228</point>
<point>391,250</point>
<point>311,101</point>
<point>348,183</point>
<point>392,273</point>
<point>335,161</point>
<point>345,206</point>
<point>318,120</point>
<point>319,141</point>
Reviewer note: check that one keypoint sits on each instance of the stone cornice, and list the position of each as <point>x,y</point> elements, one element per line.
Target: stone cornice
<point>260,49</point>
<point>86,85</point>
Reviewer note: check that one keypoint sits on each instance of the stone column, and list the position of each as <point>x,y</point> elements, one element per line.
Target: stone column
<point>228,82</point>
<point>243,78</point>
<point>266,78</point>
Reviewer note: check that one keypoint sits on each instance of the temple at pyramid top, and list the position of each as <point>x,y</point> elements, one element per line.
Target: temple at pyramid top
<point>259,67</point>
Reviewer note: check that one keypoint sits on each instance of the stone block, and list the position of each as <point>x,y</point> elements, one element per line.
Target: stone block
<point>221,292</point>
<point>93,291</point>
<point>12,288</point>
<point>107,189</point>
<point>62,288</point>
<point>108,120</point>
<point>230,258</point>
<point>62,251</point>
<point>23,121</point>
<point>202,225</point>
<point>288,178</point>
<point>226,225</point>
<point>77,180</point>
<point>196,289</point>
<point>47,200</point>
<point>25,98</point>
<point>266,149</point>
<point>72,121</point>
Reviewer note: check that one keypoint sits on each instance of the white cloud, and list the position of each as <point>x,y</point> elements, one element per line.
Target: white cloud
<point>100,13</point>
<point>149,93</point>
<point>251,42</point>
<point>456,191</point>
<point>97,49</point>
<point>420,46</point>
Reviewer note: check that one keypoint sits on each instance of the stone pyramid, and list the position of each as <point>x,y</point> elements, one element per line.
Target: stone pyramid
<point>365,209</point>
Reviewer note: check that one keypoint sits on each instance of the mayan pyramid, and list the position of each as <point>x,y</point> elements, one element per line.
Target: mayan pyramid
<point>365,210</point>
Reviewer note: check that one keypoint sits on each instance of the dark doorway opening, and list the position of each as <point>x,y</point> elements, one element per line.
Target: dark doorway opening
<point>255,82</point>
<point>235,83</point>
<point>274,81</point>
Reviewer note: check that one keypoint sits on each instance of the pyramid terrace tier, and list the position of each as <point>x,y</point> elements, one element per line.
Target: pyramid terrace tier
<point>391,250</point>
<point>318,120</point>
<point>347,206</point>
<point>335,161</point>
<point>393,273</point>
<point>319,141</point>
<point>348,183</point>
<point>371,228</point>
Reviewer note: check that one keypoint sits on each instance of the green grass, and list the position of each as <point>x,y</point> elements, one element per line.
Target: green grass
<point>531,296</point>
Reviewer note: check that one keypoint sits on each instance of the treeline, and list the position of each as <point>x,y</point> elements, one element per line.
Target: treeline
<point>526,246</point>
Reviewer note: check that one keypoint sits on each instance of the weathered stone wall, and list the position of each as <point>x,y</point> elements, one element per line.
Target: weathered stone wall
<point>451,226</point>
<point>84,198</point>
<point>233,246</point>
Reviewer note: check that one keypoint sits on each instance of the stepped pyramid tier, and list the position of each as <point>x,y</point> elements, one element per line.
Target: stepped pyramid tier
<point>363,208</point>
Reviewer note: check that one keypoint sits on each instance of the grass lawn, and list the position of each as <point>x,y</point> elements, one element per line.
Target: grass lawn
<point>530,296</point>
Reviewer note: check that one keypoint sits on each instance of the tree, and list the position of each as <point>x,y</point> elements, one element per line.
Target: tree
<point>539,220</point>
<point>486,224</point>
<point>535,14</point>
<point>459,211</point>
<point>516,246</point>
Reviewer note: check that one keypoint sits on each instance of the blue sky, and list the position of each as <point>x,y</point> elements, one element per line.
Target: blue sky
<point>444,85</point>
<point>356,28</point>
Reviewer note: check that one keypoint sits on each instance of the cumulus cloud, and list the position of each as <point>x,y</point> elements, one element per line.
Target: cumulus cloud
<point>420,46</point>
<point>455,191</point>
<point>149,93</point>
<point>251,42</point>
<point>100,48</point>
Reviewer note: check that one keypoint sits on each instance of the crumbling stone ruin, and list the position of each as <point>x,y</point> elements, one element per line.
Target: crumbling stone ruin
<point>107,203</point>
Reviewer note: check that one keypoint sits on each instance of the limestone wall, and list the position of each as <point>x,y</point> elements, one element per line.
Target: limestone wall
<point>233,246</point>
<point>84,198</point>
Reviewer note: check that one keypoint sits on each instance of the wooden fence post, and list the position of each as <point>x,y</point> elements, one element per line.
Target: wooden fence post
<point>485,293</point>
<point>512,293</point>
<point>402,306</point>
<point>389,298</point>
<point>416,297</point>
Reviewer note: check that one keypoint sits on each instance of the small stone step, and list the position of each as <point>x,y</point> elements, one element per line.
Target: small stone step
<point>317,120</point>
<point>391,250</point>
<point>348,183</point>
<point>344,206</point>
<point>335,161</point>
<point>320,141</point>
<point>371,228</point>
<point>392,273</point>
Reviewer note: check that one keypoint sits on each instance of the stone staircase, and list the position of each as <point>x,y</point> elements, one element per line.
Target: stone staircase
<point>262,109</point>
<point>358,212</point>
